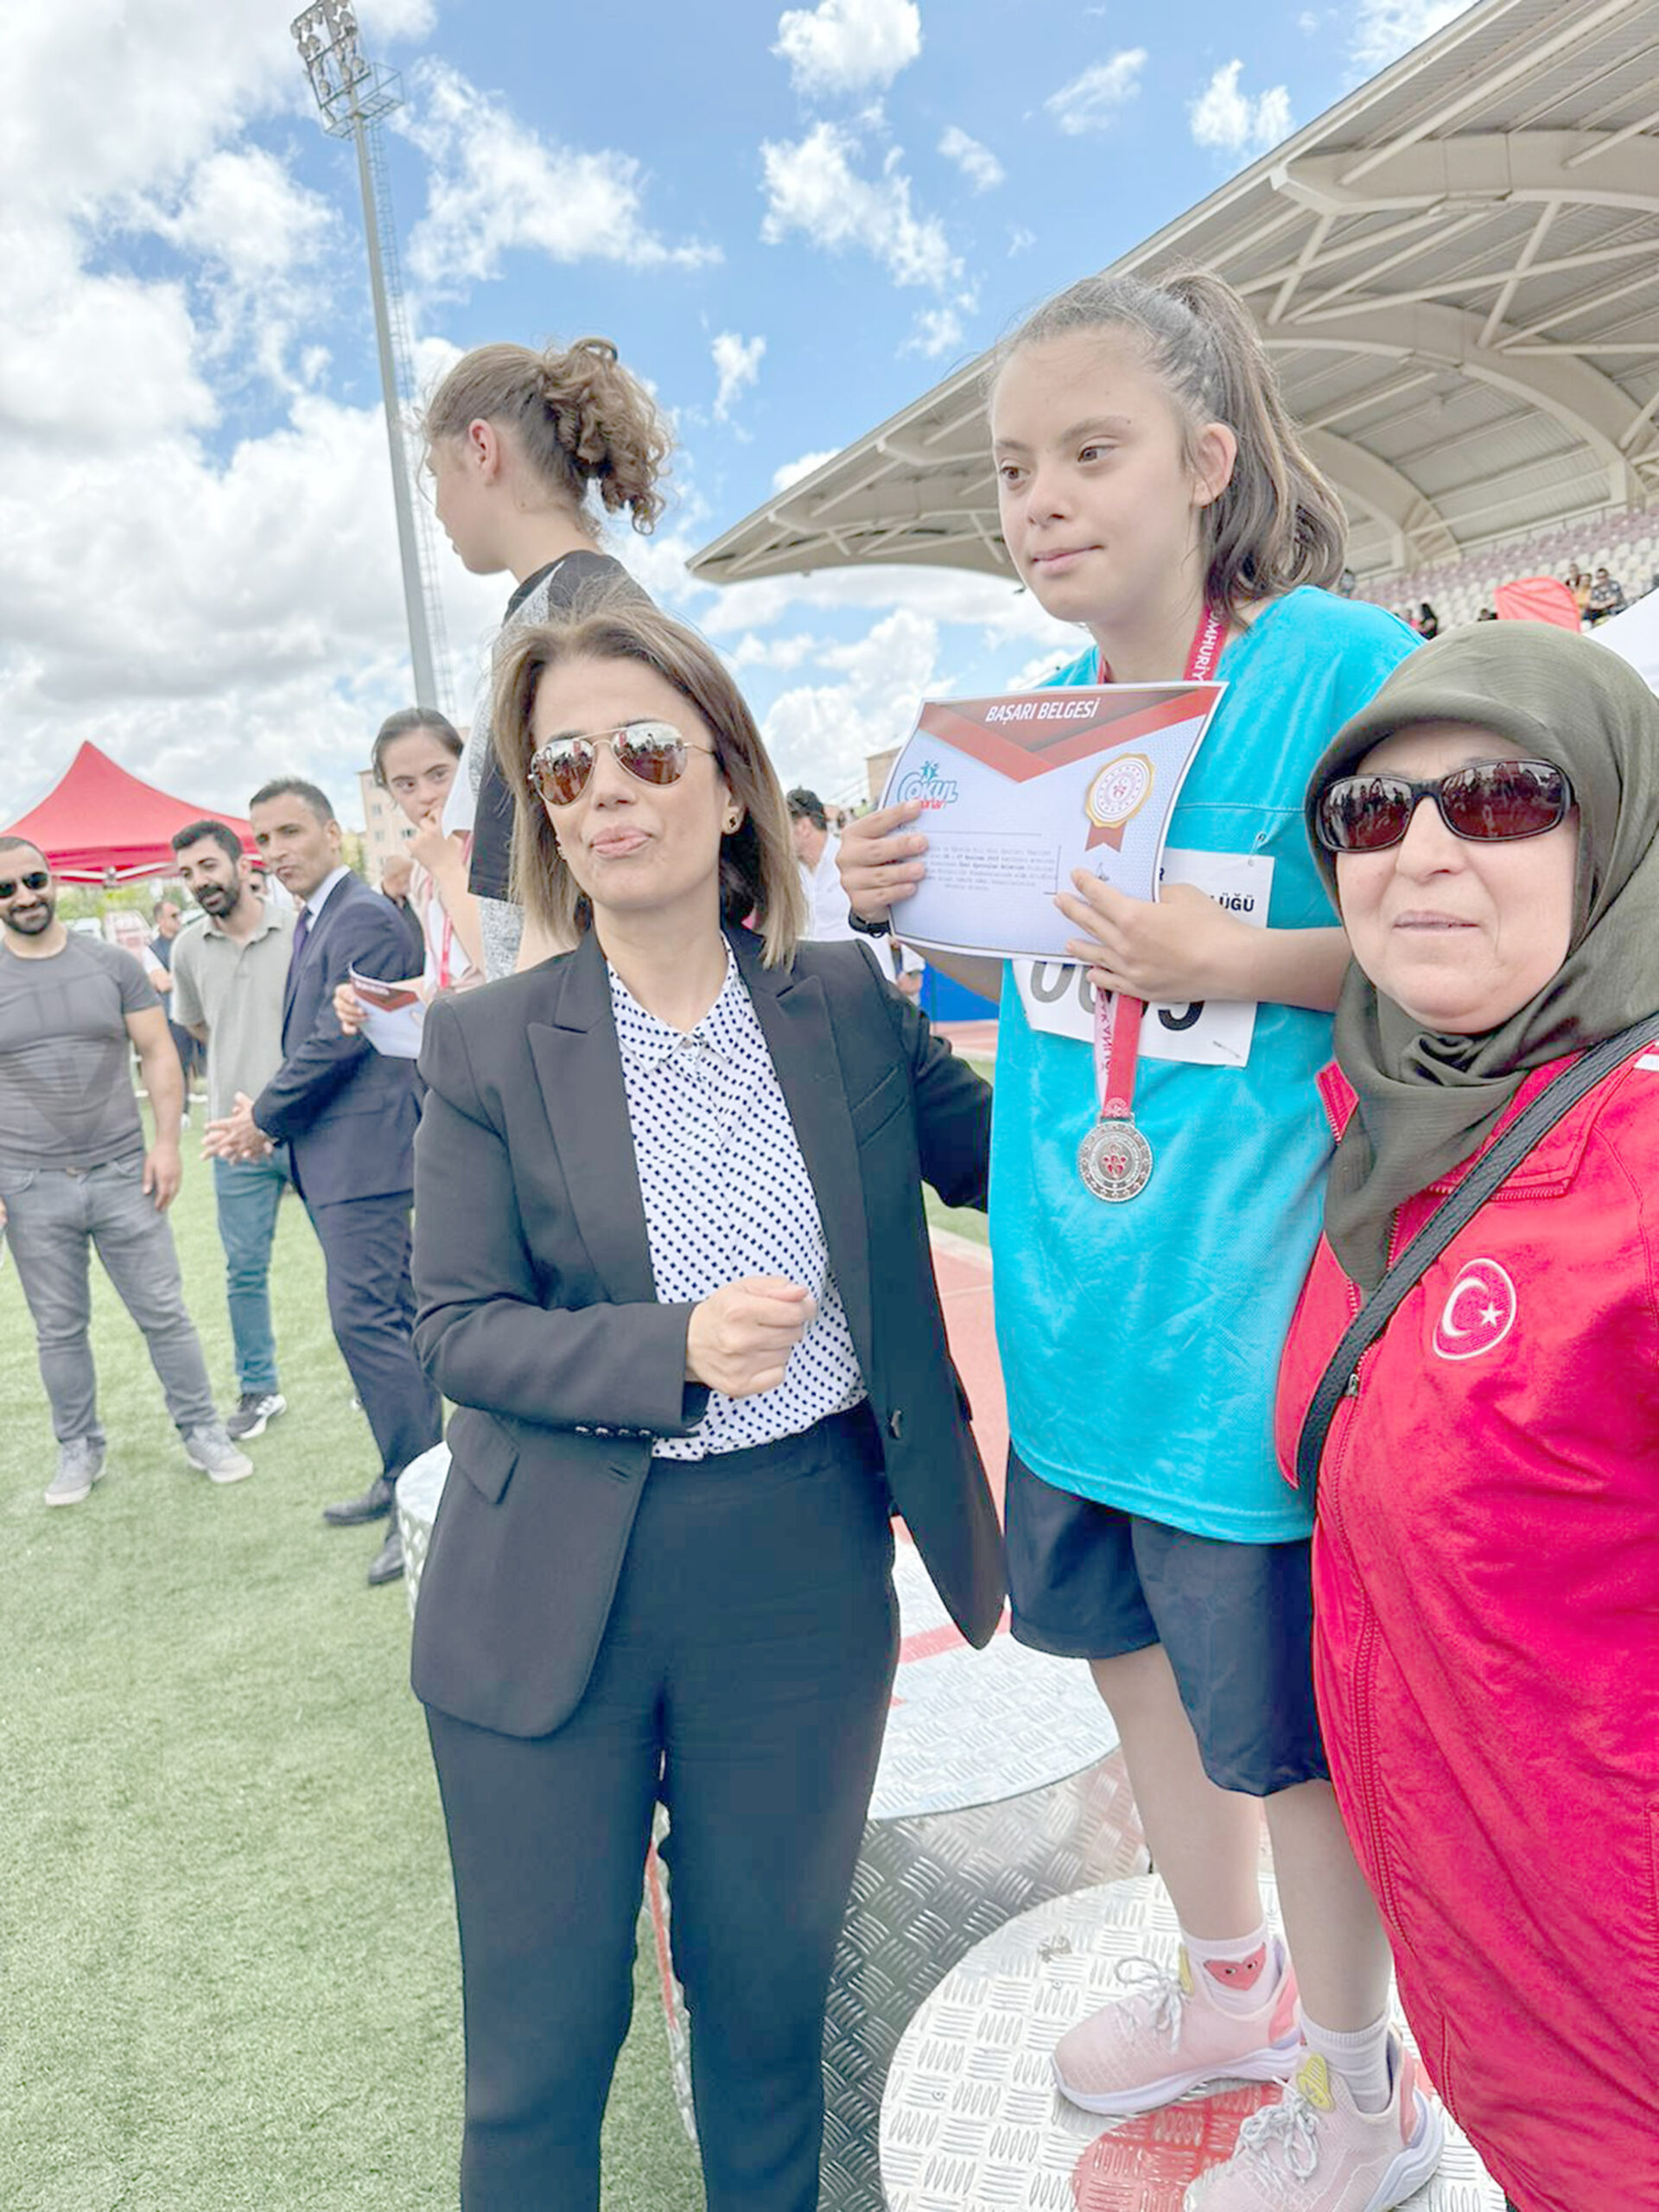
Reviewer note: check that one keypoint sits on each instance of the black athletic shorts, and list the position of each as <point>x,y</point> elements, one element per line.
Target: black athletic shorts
<point>1090,1581</point>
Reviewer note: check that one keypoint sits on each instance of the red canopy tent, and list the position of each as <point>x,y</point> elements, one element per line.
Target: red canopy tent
<point>99,825</point>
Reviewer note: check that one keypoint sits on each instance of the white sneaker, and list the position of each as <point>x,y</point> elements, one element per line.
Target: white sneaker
<point>1316,2151</point>
<point>212,1450</point>
<point>1169,2036</point>
<point>80,1462</point>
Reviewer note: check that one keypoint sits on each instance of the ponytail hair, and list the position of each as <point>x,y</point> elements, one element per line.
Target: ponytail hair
<point>577,415</point>
<point>1278,524</point>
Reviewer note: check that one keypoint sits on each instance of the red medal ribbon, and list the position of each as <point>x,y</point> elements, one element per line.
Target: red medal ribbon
<point>1117,1025</point>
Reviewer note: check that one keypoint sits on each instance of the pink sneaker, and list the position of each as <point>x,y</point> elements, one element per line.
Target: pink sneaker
<point>1170,2037</point>
<point>1315,2152</point>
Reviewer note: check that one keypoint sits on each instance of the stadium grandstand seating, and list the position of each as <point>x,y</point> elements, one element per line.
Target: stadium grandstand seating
<point>1626,544</point>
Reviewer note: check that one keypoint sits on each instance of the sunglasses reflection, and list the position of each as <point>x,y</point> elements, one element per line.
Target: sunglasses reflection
<point>1490,803</point>
<point>654,753</point>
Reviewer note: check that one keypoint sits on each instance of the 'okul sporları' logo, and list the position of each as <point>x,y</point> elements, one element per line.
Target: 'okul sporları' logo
<point>1479,1314</point>
<point>927,785</point>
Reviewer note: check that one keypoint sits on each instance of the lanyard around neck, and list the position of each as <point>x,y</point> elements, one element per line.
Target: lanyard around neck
<point>1116,1160</point>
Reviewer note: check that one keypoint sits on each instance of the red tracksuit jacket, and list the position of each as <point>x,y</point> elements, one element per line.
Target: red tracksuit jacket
<point>1486,1583</point>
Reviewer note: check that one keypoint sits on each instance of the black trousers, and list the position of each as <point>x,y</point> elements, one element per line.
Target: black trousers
<point>372,1305</point>
<point>744,1676</point>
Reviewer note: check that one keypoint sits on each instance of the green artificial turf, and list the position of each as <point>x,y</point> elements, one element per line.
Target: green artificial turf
<point>962,1221</point>
<point>228,1975</point>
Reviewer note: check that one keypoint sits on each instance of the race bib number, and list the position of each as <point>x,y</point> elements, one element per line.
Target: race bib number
<point>1060,1000</point>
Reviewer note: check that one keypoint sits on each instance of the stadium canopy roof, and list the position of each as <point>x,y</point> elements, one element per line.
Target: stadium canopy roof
<point>1457,271</point>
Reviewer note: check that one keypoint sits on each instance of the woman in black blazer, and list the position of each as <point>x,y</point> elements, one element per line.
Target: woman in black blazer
<point>673,1271</point>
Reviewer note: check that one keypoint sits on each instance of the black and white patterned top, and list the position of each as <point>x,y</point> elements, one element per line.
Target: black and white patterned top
<point>726,1194</point>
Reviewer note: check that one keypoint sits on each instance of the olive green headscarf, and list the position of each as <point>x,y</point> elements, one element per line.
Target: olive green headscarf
<point>1427,1102</point>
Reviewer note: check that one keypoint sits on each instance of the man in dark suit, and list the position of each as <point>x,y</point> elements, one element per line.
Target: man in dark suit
<point>348,1115</point>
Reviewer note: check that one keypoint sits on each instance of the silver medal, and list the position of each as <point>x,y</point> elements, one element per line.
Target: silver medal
<point>1114,1161</point>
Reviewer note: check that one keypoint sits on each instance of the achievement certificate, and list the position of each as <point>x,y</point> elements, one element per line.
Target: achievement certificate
<point>1018,792</point>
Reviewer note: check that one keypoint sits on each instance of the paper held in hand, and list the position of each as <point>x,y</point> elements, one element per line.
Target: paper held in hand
<point>393,1014</point>
<point>1018,792</point>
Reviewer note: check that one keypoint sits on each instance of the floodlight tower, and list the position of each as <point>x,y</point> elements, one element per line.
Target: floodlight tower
<point>352,94</point>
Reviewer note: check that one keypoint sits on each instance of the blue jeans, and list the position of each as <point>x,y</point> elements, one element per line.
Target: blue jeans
<point>55,1219</point>
<point>249,1192</point>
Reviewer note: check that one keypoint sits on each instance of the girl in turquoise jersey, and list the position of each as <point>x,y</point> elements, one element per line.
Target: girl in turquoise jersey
<point>1148,478</point>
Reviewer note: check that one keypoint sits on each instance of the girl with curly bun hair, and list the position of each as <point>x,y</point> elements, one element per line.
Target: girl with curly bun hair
<point>514,440</point>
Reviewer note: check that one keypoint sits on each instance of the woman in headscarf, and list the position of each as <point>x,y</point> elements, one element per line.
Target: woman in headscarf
<point>1486,1567</point>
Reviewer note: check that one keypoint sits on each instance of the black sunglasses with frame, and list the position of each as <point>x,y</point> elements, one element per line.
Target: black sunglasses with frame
<point>1490,802</point>
<point>36,879</point>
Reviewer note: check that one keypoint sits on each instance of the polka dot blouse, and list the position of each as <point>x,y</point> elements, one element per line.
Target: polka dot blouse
<point>726,1194</point>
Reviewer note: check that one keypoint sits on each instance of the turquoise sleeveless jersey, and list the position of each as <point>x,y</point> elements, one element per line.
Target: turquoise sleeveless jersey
<point>1140,1342</point>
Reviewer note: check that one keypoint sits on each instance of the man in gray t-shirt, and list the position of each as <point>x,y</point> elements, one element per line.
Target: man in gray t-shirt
<point>74,1174</point>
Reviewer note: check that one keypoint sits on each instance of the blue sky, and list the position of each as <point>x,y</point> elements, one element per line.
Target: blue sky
<point>791,222</point>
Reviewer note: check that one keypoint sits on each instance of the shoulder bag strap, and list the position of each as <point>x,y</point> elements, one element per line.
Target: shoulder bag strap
<point>1493,1168</point>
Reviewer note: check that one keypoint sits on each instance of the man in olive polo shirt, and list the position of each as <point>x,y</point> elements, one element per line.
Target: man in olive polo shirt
<point>228,978</point>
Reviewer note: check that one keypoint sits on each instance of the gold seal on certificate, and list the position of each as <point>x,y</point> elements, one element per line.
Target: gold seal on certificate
<point>1119,792</point>
<point>1115,1160</point>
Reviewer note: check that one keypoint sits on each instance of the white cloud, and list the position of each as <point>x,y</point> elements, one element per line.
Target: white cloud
<point>1384,29</point>
<point>388,19</point>
<point>1040,667</point>
<point>255,236</point>
<point>977,163</point>
<point>261,627</point>
<point>1020,240</point>
<point>244,212</point>
<point>1231,122</point>
<point>1091,101</point>
<point>783,653</point>
<point>494,185</point>
<point>995,608</point>
<point>737,364</point>
<point>98,102</point>
<point>821,733</point>
<point>847,46</point>
<point>937,330</point>
<point>791,471</point>
<point>63,330</point>
<point>812,188</point>
<point>660,561</point>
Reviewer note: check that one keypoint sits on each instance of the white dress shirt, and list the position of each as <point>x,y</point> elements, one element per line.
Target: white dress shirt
<point>827,904</point>
<point>319,898</point>
<point>726,1194</point>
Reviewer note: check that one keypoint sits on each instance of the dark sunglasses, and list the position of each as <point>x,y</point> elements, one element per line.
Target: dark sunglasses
<point>654,752</point>
<point>36,880</point>
<point>1489,804</point>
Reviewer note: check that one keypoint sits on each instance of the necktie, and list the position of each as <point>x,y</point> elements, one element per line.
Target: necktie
<point>301,931</point>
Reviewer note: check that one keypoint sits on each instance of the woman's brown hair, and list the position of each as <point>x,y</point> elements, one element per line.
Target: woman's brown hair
<point>578,417</point>
<point>1277,522</point>
<point>404,723</point>
<point>759,879</point>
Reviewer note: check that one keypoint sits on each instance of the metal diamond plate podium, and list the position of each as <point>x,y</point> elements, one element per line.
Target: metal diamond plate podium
<point>1000,1785</point>
<point>972,2122</point>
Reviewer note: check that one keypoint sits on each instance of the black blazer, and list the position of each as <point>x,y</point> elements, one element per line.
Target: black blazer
<point>539,1319</point>
<point>347,1113</point>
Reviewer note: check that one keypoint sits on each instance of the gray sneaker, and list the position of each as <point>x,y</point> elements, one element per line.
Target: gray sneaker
<point>80,1462</point>
<point>212,1450</point>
